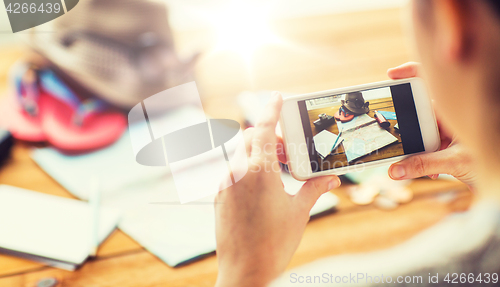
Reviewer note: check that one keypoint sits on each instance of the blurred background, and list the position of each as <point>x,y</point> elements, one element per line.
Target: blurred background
<point>87,68</point>
<point>292,46</point>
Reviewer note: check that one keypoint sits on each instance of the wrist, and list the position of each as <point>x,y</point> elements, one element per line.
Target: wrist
<point>243,277</point>
<point>223,281</point>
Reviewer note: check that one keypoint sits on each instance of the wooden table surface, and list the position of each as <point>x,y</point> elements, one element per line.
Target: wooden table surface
<point>321,53</point>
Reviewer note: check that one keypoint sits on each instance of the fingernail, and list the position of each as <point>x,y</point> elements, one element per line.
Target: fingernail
<point>334,183</point>
<point>397,171</point>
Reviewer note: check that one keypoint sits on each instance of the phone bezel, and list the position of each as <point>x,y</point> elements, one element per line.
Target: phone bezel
<point>291,126</point>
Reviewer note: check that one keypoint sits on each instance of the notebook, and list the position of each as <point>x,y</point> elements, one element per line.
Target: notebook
<point>325,142</point>
<point>388,115</point>
<point>50,229</point>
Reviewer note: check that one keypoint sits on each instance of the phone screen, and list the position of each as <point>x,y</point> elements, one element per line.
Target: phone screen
<point>354,128</point>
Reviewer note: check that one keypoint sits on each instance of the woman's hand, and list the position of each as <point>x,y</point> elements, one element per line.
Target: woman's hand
<point>259,225</point>
<point>452,158</point>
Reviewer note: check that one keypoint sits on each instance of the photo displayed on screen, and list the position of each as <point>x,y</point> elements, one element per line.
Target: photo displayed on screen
<point>359,127</point>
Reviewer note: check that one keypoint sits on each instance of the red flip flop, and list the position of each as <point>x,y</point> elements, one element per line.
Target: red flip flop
<point>45,109</point>
<point>343,116</point>
<point>66,131</point>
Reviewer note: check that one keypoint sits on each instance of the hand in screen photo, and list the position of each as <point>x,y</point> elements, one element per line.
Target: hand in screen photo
<point>452,158</point>
<point>259,225</point>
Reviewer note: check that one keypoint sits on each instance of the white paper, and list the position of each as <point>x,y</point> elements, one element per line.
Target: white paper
<point>50,226</point>
<point>364,140</point>
<point>324,142</point>
<point>356,122</point>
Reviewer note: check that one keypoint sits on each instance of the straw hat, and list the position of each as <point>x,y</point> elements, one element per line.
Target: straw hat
<point>355,103</point>
<point>119,50</point>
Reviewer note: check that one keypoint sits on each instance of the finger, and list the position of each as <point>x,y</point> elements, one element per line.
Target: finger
<point>280,150</point>
<point>248,135</point>
<point>314,188</point>
<point>441,162</point>
<point>264,137</point>
<point>445,137</point>
<point>407,70</point>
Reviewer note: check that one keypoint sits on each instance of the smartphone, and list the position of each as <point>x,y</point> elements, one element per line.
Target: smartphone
<point>351,129</point>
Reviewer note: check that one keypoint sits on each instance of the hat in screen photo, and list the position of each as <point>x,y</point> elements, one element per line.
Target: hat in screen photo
<point>355,103</point>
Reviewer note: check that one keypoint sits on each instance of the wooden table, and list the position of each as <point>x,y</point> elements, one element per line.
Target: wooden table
<point>325,52</point>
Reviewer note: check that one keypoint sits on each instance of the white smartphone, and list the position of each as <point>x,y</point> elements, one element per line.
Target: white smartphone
<point>351,129</point>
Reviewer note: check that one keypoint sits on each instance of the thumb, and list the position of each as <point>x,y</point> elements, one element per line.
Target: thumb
<point>314,188</point>
<point>407,70</point>
<point>425,164</point>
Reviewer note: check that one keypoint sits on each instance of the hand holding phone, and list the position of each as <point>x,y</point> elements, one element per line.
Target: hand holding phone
<point>452,158</point>
<point>278,219</point>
